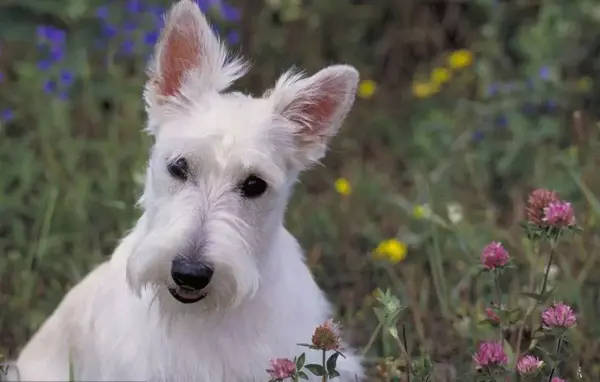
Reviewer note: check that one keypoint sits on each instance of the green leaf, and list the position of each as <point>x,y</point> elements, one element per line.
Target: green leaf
<point>300,361</point>
<point>332,362</point>
<point>302,375</point>
<point>317,370</point>
<point>333,374</point>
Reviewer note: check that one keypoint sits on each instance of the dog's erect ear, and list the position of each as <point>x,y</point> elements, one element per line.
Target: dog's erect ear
<point>316,107</point>
<point>189,58</point>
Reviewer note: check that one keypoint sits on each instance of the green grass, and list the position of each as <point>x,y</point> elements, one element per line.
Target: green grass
<point>71,174</point>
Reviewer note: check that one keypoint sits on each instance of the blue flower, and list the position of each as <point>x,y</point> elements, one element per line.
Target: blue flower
<point>66,77</point>
<point>50,86</point>
<point>150,38</point>
<point>109,31</point>
<point>134,6</point>
<point>233,37</point>
<point>551,105</point>
<point>127,47</point>
<point>478,136</point>
<point>492,90</point>
<point>44,65</point>
<point>63,95</point>
<point>157,11</point>
<point>7,115</point>
<point>501,121</point>
<point>545,73</point>
<point>57,55</point>
<point>1,77</point>
<point>205,4</point>
<point>230,13</point>
<point>102,13</point>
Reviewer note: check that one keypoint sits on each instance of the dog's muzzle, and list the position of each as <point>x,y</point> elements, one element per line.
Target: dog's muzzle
<point>190,277</point>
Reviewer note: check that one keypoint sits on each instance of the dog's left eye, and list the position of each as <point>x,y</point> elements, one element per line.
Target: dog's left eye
<point>179,168</point>
<point>253,187</point>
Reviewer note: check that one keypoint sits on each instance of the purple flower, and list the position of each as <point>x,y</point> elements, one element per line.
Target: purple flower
<point>51,35</point>
<point>109,31</point>
<point>44,65</point>
<point>490,354</point>
<point>134,6</point>
<point>529,365</point>
<point>102,12</point>
<point>1,77</point>
<point>230,13</point>
<point>492,90</point>
<point>150,38</point>
<point>551,105</point>
<point>478,136</point>
<point>63,96</point>
<point>545,73</point>
<point>559,214</point>
<point>558,315</point>
<point>7,115</point>
<point>66,77</point>
<point>233,37</point>
<point>501,121</point>
<point>205,4</point>
<point>50,86</point>
<point>127,47</point>
<point>494,256</point>
<point>57,55</point>
<point>281,368</point>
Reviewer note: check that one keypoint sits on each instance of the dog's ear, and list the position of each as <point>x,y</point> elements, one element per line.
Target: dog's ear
<point>189,58</point>
<point>316,107</point>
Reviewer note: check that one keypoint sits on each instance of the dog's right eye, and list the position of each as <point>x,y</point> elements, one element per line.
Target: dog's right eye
<point>179,168</point>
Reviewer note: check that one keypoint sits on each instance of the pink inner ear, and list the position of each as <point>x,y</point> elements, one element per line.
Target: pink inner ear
<point>181,52</point>
<point>314,114</point>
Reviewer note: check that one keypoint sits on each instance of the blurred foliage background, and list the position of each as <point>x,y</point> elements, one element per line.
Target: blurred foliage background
<point>464,107</point>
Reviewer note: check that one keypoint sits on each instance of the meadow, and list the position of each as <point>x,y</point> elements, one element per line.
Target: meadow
<point>464,108</point>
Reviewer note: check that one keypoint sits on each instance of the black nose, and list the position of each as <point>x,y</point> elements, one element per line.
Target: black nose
<point>193,275</point>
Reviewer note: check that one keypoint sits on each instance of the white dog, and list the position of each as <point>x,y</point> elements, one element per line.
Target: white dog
<point>209,285</point>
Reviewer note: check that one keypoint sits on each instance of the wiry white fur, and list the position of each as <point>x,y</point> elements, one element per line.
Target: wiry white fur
<point>120,322</point>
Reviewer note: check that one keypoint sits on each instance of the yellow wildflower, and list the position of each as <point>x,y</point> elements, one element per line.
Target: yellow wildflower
<point>391,250</point>
<point>585,84</point>
<point>460,59</point>
<point>440,75</point>
<point>425,89</point>
<point>343,186</point>
<point>366,89</point>
<point>376,293</point>
<point>422,211</point>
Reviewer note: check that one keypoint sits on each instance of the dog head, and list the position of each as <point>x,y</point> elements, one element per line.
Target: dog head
<point>223,163</point>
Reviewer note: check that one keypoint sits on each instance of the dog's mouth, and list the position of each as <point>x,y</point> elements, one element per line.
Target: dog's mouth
<point>185,295</point>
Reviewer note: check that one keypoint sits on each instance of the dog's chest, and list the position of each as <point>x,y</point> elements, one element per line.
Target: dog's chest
<point>220,353</point>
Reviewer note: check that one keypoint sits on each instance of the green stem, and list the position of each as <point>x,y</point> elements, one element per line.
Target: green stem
<point>545,282</point>
<point>553,245</point>
<point>324,367</point>
<point>555,363</point>
<point>406,356</point>
<point>372,339</point>
<point>498,299</point>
